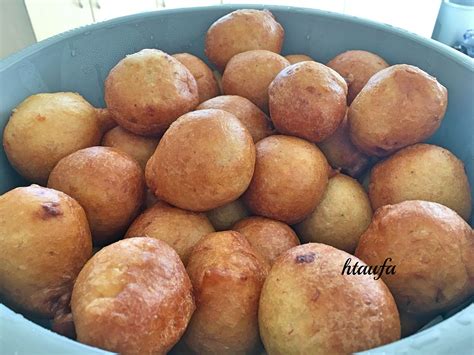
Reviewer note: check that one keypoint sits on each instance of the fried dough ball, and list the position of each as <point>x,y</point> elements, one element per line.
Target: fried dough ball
<point>290,178</point>
<point>308,307</point>
<point>254,119</point>
<point>206,82</point>
<point>249,74</point>
<point>341,217</point>
<point>45,128</point>
<point>241,31</point>
<point>308,100</point>
<point>204,160</point>
<point>178,228</point>
<point>342,154</point>
<point>45,242</point>
<point>267,236</point>
<point>356,67</point>
<point>146,91</point>
<point>224,217</point>
<point>138,147</point>
<point>227,276</point>
<point>399,106</point>
<point>296,58</point>
<point>421,172</point>
<point>133,297</point>
<point>432,249</point>
<point>106,120</point>
<point>150,198</point>
<point>107,183</point>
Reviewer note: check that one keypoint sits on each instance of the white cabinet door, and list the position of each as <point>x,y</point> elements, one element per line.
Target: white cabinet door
<point>416,16</point>
<point>107,9</point>
<point>170,4</point>
<point>50,17</point>
<point>328,5</point>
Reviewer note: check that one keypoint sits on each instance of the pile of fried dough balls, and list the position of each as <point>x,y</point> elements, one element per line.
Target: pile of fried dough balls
<point>223,210</point>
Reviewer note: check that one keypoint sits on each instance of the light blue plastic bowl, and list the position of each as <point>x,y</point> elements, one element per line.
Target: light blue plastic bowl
<point>79,61</point>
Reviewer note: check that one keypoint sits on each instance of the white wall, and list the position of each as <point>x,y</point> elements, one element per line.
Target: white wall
<point>15,27</point>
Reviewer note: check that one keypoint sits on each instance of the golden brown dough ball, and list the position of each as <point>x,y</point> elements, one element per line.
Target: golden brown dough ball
<point>150,198</point>
<point>290,178</point>
<point>224,217</point>
<point>178,228</point>
<point>308,100</point>
<point>205,79</point>
<point>227,277</point>
<point>44,241</point>
<point>106,120</point>
<point>399,106</point>
<point>133,297</point>
<point>341,152</point>
<point>267,236</point>
<point>341,217</point>
<point>107,183</point>
<point>241,31</point>
<point>308,307</point>
<point>296,58</point>
<point>45,128</point>
<point>249,74</point>
<point>356,67</point>
<point>254,119</point>
<point>421,172</point>
<point>432,249</point>
<point>205,160</point>
<point>148,90</point>
<point>138,147</point>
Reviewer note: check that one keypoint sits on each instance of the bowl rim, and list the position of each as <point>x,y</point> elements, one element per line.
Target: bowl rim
<point>407,343</point>
<point>445,50</point>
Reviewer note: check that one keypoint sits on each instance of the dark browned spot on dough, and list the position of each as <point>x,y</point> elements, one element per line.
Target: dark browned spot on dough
<point>310,89</point>
<point>50,209</point>
<point>40,118</point>
<point>315,296</point>
<point>305,258</point>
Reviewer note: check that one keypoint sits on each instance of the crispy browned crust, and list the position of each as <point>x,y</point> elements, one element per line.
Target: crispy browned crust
<point>307,100</point>
<point>267,236</point>
<point>178,228</point>
<point>138,147</point>
<point>296,58</point>
<point>421,172</point>
<point>433,249</point>
<point>342,154</point>
<point>254,119</point>
<point>224,217</point>
<point>204,160</point>
<point>308,307</point>
<point>45,128</point>
<point>399,106</point>
<point>227,277</point>
<point>290,178</point>
<point>206,82</point>
<point>146,91</point>
<point>356,67</point>
<point>133,297</point>
<point>341,217</point>
<point>45,241</point>
<point>241,31</point>
<point>107,183</point>
<point>249,74</point>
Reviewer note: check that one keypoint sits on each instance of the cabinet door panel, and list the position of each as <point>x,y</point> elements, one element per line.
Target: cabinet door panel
<point>107,9</point>
<point>50,17</point>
